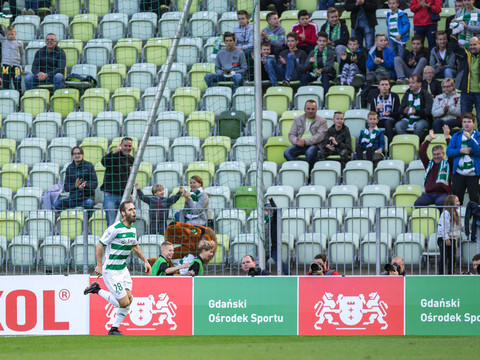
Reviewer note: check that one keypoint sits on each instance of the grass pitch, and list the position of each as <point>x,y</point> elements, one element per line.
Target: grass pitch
<point>239,347</point>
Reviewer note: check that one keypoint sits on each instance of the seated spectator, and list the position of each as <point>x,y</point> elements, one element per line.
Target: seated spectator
<point>398,267</point>
<point>206,251</point>
<point>196,203</point>
<point>423,24</point>
<point>371,140</point>
<point>464,148</point>
<point>274,34</point>
<point>380,60</point>
<point>430,84</point>
<point>386,105</point>
<point>337,140</point>
<point>398,28</point>
<point>249,267</point>
<point>466,23</point>
<point>164,266</point>
<point>414,61</point>
<point>353,65</point>
<point>442,58</point>
<point>290,64</point>
<point>316,125</point>
<point>270,216</point>
<point>80,182</point>
<point>154,6</point>
<point>446,107</point>
<point>363,19</point>
<point>437,172</point>
<point>306,31</point>
<point>326,4</point>
<point>159,206</point>
<point>48,65</point>
<point>230,64</point>
<point>321,260</point>
<point>337,32</point>
<point>319,64</point>
<point>448,234</point>
<point>280,5</point>
<point>416,108</point>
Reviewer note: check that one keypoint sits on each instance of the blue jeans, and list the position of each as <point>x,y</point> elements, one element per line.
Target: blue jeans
<point>69,203</point>
<point>325,4</point>
<point>111,203</point>
<point>276,72</point>
<point>446,73</point>
<point>213,79</point>
<point>31,4</point>
<point>420,127</point>
<point>310,152</point>
<point>466,103</point>
<point>438,125</point>
<point>429,31</point>
<point>397,48</point>
<point>364,31</point>
<point>429,199</point>
<point>31,81</point>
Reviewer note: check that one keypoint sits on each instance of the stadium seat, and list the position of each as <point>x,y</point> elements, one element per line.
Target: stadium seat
<point>204,169</point>
<point>286,120</point>
<point>143,25</point>
<point>127,7</point>
<point>359,221</point>
<point>98,52</point>
<point>200,123</point>
<point>241,245</point>
<point>156,149</point>
<point>216,149</point>
<point>186,99</point>
<point>127,51</point>
<point>70,223</point>
<point>26,27</point>
<point>393,221</point>
<point>217,6</point>
<point>107,124</point>
<point>278,99</point>
<point>141,76</point>
<point>11,223</point>
<point>65,101</point>
<point>148,97</point>
<point>213,43</point>
<point>189,50</point>
<point>203,23</point>
<point>288,19</point>
<point>389,172</point>
<point>269,173</point>
<point>97,223</point>
<point>358,172</point>
<point>69,7</point>
<point>167,25</point>
<point>405,196</point>
<point>95,100</point>
<point>295,221</point>
<point>32,48</point>
<point>35,101</point>
<point>340,97</point>
<point>269,123</point>
<point>9,100</point>
<point>228,21</point>
<point>245,198</point>
<point>326,173</point>
<point>368,248</point>
<point>309,245</point>
<point>8,149</point>
<point>311,196</point>
<point>73,49</point>
<point>84,26</point>
<point>176,75</point>
<point>230,174</point>
<point>78,250</point>
<point>84,70</point>
<point>126,100</point>
<point>22,250</point>
<point>185,149</point>
<point>60,149</point>
<point>343,196</point>
<point>375,195</point>
<point>231,123</point>
<point>410,247</point>
<point>310,92</point>
<point>99,7</point>
<point>40,223</point>
<point>27,199</point>
<point>415,173</point>
<point>424,221</point>
<point>77,125</point>
<point>356,120</point>
<point>156,50</point>
<point>169,124</point>
<point>400,90</point>
<point>47,125</point>
<point>245,150</point>
<point>56,24</point>
<point>244,100</point>
<point>230,222</point>
<point>44,175</point>
<point>293,173</point>
<point>217,99</point>
<point>196,76</point>
<point>219,198</point>
<point>32,150</point>
<point>223,247</point>
<point>55,250</point>
<point>150,246</point>
<point>14,176</point>
<point>112,76</point>
<point>342,249</point>
<point>404,147</point>
<point>94,148</point>
<point>169,174</point>
<point>113,26</point>
<point>275,147</point>
<point>5,198</point>
<point>282,195</point>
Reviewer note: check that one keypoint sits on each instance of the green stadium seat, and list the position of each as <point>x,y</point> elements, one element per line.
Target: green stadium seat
<point>275,147</point>
<point>198,123</point>
<point>245,198</point>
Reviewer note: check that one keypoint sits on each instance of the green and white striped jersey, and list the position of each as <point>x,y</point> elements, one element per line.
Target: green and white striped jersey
<point>119,241</point>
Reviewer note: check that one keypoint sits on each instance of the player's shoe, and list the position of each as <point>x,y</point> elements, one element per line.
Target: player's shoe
<point>94,288</point>
<point>114,331</point>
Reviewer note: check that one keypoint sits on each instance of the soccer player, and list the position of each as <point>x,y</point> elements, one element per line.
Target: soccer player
<point>119,239</point>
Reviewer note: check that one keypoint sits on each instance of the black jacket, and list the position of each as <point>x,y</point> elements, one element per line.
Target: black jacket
<point>342,137</point>
<point>473,211</point>
<point>426,101</point>
<point>50,63</point>
<point>435,87</point>
<point>117,169</point>
<point>373,99</point>
<point>370,7</point>
<point>344,34</point>
<point>361,63</point>
<point>410,54</point>
<point>85,171</point>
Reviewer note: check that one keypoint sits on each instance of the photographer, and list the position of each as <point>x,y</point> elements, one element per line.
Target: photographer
<point>396,267</point>
<point>476,266</point>
<point>319,267</point>
<point>249,266</point>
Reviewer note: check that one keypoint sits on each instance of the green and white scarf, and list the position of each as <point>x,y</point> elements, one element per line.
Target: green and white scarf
<point>471,20</point>
<point>324,60</point>
<point>216,47</point>
<point>393,28</point>
<point>443,175</point>
<point>333,32</point>
<point>369,136</point>
<point>465,163</point>
<point>413,101</point>
<point>194,195</point>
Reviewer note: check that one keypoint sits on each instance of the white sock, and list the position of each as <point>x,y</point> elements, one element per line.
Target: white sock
<point>120,315</point>
<point>109,297</point>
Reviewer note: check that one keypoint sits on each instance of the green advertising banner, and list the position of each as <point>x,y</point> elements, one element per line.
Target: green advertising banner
<point>245,306</point>
<point>442,305</point>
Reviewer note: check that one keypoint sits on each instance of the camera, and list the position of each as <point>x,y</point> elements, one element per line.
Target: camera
<point>393,267</point>
<point>314,267</point>
<point>254,271</point>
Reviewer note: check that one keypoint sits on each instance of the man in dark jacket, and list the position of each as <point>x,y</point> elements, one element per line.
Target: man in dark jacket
<point>48,65</point>
<point>386,105</point>
<point>364,20</point>
<point>319,64</point>
<point>80,182</point>
<point>337,32</point>
<point>117,164</point>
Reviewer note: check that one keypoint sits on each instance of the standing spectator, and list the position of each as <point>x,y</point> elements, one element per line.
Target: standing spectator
<point>310,121</point>
<point>270,216</point>
<point>118,164</point>
<point>48,65</point>
<point>398,28</point>
<point>466,23</point>
<point>364,19</point>
<point>337,32</point>
<point>465,150</point>
<point>429,83</point>
<point>290,64</point>
<point>319,64</point>
<point>448,234</point>
<point>80,182</point>
<point>306,31</point>
<point>413,62</point>
<point>265,49</point>
<point>274,33</point>
<point>154,6</point>
<point>230,64</point>
<point>13,60</point>
<point>196,203</point>
<point>423,24</point>
<point>243,33</point>
<point>206,251</point>
<point>446,107</point>
<point>437,172</point>
<point>337,140</point>
<point>442,57</point>
<point>380,60</point>
<point>386,105</point>
<point>458,6</point>
<point>326,4</point>
<point>416,108</point>
<point>164,266</point>
<point>371,140</point>
<point>353,67</point>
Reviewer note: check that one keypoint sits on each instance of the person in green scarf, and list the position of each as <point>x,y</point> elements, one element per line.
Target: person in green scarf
<point>371,140</point>
<point>196,203</point>
<point>206,251</point>
<point>319,64</point>
<point>164,266</point>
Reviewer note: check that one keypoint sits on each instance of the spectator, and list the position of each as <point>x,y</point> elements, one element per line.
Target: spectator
<point>442,57</point>
<point>399,267</point>
<point>353,65</point>
<point>448,21</point>
<point>206,251</point>
<point>476,263</point>
<point>249,266</point>
<point>159,206</point>
<point>466,23</point>
<point>164,266</point>
<point>154,6</point>
<point>280,5</point>
<point>290,64</point>
<point>274,34</point>
<point>337,32</point>
<point>306,31</point>
<point>118,164</point>
<point>321,259</point>
<point>446,107</point>
<point>423,25</point>
<point>371,140</point>
<point>196,203</point>
<point>319,64</point>
<point>386,104</point>
<point>416,108</point>
<point>230,64</point>
<point>448,233</point>
<point>270,216</point>
<point>413,62</point>
<point>13,60</point>
<point>380,60</point>
<point>398,27</point>
<point>265,49</point>
<point>80,183</point>
<point>326,4</point>
<point>337,140</point>
<point>429,83</point>
<point>437,172</point>
<point>243,33</point>
<point>48,65</point>
<point>363,14</point>
<point>465,150</point>
<point>316,125</point>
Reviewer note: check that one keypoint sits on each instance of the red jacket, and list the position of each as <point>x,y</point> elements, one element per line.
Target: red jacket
<point>431,186</point>
<point>421,16</point>
<point>310,33</point>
